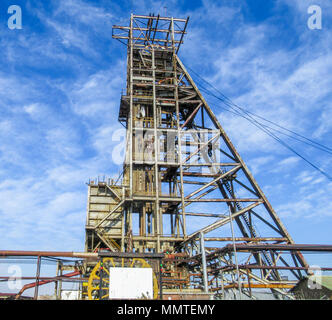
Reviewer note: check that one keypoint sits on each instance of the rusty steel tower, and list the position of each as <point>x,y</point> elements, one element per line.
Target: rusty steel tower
<point>184,185</point>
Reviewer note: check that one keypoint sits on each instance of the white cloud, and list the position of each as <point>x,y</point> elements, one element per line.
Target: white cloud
<point>302,5</point>
<point>5,127</point>
<point>70,37</point>
<point>99,93</point>
<point>32,207</point>
<point>311,198</point>
<point>31,108</point>
<point>256,165</point>
<point>246,136</point>
<point>80,11</point>
<point>311,203</point>
<point>63,140</point>
<point>305,177</point>
<point>285,85</point>
<point>77,24</point>
<point>290,161</point>
<point>325,120</point>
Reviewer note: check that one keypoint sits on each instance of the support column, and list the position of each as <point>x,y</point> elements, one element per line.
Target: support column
<point>130,119</point>
<point>156,145</point>
<point>37,278</point>
<point>205,277</point>
<point>179,130</point>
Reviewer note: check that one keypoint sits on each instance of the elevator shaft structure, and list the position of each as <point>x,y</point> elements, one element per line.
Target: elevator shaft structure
<point>183,181</point>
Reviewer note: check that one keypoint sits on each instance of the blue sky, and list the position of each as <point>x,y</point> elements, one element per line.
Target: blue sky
<point>61,78</point>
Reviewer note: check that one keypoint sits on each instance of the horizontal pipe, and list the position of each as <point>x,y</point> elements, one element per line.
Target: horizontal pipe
<point>223,200</point>
<point>147,29</point>
<point>245,239</point>
<point>258,286</point>
<point>143,39</point>
<point>159,18</point>
<point>67,254</point>
<point>258,267</point>
<point>287,247</point>
<point>172,256</point>
<point>131,255</point>
<point>64,278</point>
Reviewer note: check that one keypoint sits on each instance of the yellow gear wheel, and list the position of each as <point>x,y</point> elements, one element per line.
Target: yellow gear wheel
<point>94,278</point>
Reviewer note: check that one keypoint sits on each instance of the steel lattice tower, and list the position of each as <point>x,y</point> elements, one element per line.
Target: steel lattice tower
<point>184,184</point>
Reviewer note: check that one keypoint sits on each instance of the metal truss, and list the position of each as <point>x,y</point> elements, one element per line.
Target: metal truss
<point>184,183</point>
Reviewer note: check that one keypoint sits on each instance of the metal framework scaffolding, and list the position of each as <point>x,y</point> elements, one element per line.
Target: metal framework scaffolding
<point>183,186</point>
<point>183,183</point>
<point>71,269</point>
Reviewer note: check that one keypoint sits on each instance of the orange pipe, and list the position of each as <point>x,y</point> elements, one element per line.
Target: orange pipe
<point>33,284</point>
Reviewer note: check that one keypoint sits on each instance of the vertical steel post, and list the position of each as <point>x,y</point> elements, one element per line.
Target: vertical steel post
<point>101,273</point>
<point>235,255</point>
<point>205,278</point>
<point>222,285</point>
<point>179,131</point>
<point>158,216</point>
<point>249,283</point>
<point>56,282</point>
<point>37,278</point>
<point>60,282</point>
<point>130,119</point>
<point>160,282</point>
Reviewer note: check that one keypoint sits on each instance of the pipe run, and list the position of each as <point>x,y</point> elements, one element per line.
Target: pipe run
<point>9,253</point>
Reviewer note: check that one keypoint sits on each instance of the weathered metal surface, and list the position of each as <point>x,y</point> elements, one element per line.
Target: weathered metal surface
<point>173,134</point>
<point>21,253</point>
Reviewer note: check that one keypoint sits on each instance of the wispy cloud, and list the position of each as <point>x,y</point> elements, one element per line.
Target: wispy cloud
<point>98,93</point>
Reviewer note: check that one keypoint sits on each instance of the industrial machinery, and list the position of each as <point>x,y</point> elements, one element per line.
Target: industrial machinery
<point>183,180</point>
<point>186,218</point>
